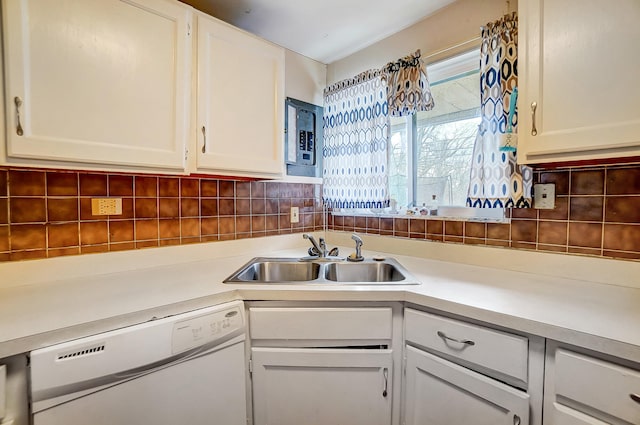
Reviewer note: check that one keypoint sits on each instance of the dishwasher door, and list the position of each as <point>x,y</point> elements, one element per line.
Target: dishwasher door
<point>181,370</point>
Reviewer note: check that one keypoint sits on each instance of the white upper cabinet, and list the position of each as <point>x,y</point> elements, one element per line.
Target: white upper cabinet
<point>579,62</point>
<point>98,82</point>
<point>240,102</point>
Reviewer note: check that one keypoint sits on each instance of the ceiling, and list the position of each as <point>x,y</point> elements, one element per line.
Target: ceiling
<point>324,30</point>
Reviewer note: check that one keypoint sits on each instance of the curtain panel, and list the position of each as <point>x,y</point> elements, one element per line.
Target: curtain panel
<point>408,89</point>
<point>356,129</point>
<point>496,180</point>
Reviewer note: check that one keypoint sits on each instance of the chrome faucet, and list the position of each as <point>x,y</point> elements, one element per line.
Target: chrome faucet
<point>356,256</point>
<point>319,248</point>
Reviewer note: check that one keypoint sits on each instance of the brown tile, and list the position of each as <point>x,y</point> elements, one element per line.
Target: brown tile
<point>284,221</point>
<point>453,239</point>
<point>208,188</point>
<point>189,207</point>
<point>586,208</point>
<point>94,233</point>
<point>146,207</point>
<point>258,190</point>
<point>4,211</point>
<point>4,239</point>
<point>63,252</point>
<point>227,225</point>
<point>62,184</point>
<point>169,207</point>
<point>360,222</point>
<point>622,209</point>
<point>258,223</point>
<point>208,207</point>
<point>271,222</point>
<point>560,212</point>
<point>475,230</point>
<point>524,230</point>
<point>552,232</point>
<point>523,245</point>
<point>190,227</point>
<point>169,242</point>
<point>26,183</point>
<point>147,244</point>
<point>121,231</point>
<point>272,190</point>
<point>620,237</point>
<point>226,189</point>
<point>584,251</point>
<point>530,213</point>
<point>307,220</point>
<point>286,190</point>
<point>63,235</point>
<point>169,228</point>
<point>417,225</point>
<point>209,226</point>
<point>122,246</point>
<point>623,181</point>
<point>453,228</point>
<point>401,225</point>
<point>190,240</point>
<point>93,185</point>
<point>243,224</point>
<point>28,255</point>
<point>386,224</point>
<point>85,210</point>
<point>92,249</point>
<point>4,187</point>
<point>146,187</point>
<point>284,205</point>
<point>120,185</point>
<point>27,210</point>
<point>587,182</point>
<point>435,227</point>
<point>474,241</point>
<point>588,235</point>
<point>226,207</point>
<point>189,188</point>
<point>62,209</point>
<point>309,190</point>
<point>499,243</point>
<point>243,206</point>
<point>243,189</point>
<point>498,231</point>
<point>622,255</point>
<point>373,223</point>
<point>349,223</point>
<point>169,187</point>
<point>127,209</point>
<point>272,206</point>
<point>552,248</point>
<point>258,206</point>
<point>559,178</point>
<point>146,229</point>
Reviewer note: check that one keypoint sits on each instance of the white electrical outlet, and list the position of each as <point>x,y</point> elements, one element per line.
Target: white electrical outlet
<point>295,214</point>
<point>544,196</point>
<point>106,206</point>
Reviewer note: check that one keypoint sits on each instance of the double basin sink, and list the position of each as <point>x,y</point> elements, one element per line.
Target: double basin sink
<point>265,270</point>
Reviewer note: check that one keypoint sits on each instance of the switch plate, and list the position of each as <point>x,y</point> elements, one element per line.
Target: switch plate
<point>106,206</point>
<point>544,196</point>
<point>295,214</point>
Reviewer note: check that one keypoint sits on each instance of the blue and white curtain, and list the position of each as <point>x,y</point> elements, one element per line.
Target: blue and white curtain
<point>497,181</point>
<point>356,129</point>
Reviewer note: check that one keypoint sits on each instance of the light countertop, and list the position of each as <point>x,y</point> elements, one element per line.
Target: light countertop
<point>43,302</point>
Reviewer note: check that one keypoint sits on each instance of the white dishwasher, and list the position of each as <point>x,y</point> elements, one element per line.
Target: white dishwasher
<point>184,369</point>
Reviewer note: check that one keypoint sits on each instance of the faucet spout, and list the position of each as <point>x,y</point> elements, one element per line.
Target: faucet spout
<point>320,248</point>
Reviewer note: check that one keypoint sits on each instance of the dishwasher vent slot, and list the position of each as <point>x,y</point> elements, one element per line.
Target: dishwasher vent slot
<point>82,352</point>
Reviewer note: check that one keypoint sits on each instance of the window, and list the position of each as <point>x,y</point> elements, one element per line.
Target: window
<point>430,152</point>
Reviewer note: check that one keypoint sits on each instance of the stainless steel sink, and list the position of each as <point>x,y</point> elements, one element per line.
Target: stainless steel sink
<point>266,270</point>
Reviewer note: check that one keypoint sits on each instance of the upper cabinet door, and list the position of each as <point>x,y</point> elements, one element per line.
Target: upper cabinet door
<point>579,62</point>
<point>240,91</point>
<point>98,82</point>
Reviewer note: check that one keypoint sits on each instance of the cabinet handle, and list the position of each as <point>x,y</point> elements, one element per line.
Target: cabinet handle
<point>534,130</point>
<point>516,420</point>
<point>204,136</point>
<point>385,374</point>
<point>635,397</point>
<point>18,103</point>
<point>460,341</point>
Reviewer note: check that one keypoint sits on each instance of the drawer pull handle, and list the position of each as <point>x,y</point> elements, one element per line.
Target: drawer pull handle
<point>534,130</point>
<point>459,341</point>
<point>635,397</point>
<point>516,420</point>
<point>385,374</point>
<point>18,103</point>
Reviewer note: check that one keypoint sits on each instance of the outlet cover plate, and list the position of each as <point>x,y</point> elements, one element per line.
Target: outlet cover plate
<point>295,215</point>
<point>544,196</point>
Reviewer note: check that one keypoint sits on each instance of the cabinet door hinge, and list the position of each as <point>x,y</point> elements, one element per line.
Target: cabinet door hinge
<point>189,29</point>
<point>404,365</point>
<point>250,366</point>
<point>186,153</point>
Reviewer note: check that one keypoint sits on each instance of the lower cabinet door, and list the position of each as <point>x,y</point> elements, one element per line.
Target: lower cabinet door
<point>439,392</point>
<point>297,386</point>
<point>563,415</point>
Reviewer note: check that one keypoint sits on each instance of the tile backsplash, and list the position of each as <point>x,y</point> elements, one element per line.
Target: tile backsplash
<point>48,213</point>
<point>597,213</point>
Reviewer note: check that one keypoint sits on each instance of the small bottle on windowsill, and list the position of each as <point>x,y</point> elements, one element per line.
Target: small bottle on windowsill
<point>433,206</point>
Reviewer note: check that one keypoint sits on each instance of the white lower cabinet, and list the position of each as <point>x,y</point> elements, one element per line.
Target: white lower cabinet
<point>294,386</point>
<point>587,389</point>
<point>439,392</point>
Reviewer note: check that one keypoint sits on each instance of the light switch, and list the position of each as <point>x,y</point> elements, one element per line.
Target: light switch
<point>295,214</point>
<point>544,196</point>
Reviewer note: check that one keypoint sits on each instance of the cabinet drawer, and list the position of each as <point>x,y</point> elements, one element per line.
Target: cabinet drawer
<point>320,323</point>
<point>498,351</point>
<point>585,381</point>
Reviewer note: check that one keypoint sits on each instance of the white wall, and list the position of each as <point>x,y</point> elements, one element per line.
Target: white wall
<point>305,78</point>
<point>451,30</point>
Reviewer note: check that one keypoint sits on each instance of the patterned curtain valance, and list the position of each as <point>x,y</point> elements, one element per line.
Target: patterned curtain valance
<point>408,88</point>
<point>363,77</point>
